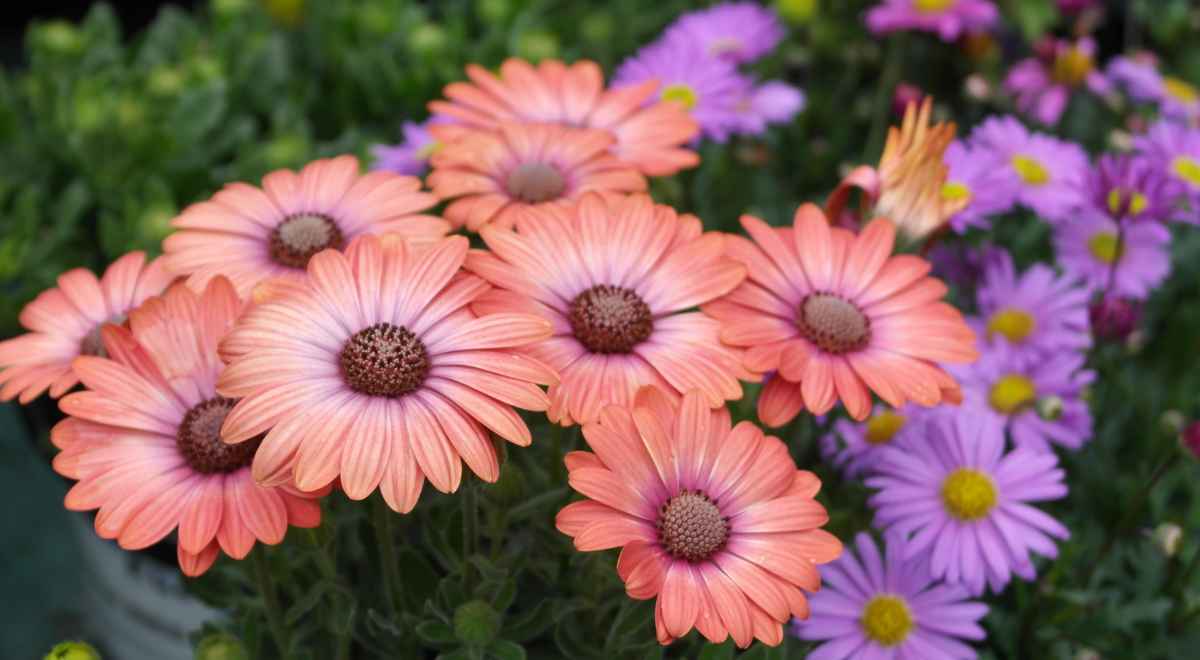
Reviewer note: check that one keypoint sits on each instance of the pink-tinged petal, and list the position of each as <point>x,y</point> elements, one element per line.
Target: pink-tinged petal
<point>580,459</point>
<point>576,516</point>
<point>645,580</point>
<point>438,460</point>
<point>778,558</point>
<point>606,487</point>
<point>469,439</point>
<point>98,408</point>
<point>617,444</point>
<point>83,291</point>
<point>869,252</point>
<point>779,402</point>
<point>332,281</point>
<point>680,599</point>
<point>794,357</point>
<point>365,452</point>
<point>511,391</point>
<point>896,274</point>
<point>125,386</point>
<point>817,385</point>
<point>196,564</point>
<point>805,484</point>
<point>301,511</point>
<point>708,621</point>
<point>659,446</point>
<point>261,509</point>
<point>503,363</point>
<point>614,531</point>
<point>257,413</point>
<point>498,417</point>
<point>235,537</point>
<point>695,427</point>
<point>733,608</point>
<point>784,514</point>
<point>319,456</point>
<point>202,517</point>
<point>429,274</point>
<point>161,514</point>
<point>814,245</point>
<point>782,272</point>
<point>851,390</point>
<point>402,480</point>
<point>761,587</point>
<point>493,331</point>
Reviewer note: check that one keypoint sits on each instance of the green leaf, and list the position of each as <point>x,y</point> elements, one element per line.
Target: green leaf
<point>717,651</point>
<point>436,633</point>
<point>506,650</point>
<point>306,603</point>
<point>538,504</point>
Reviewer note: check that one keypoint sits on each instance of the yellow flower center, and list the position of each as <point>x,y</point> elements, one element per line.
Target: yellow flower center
<point>883,427</point>
<point>1031,171</point>
<point>1072,66</point>
<point>887,620</point>
<point>968,494</point>
<point>931,6</point>
<point>1180,90</point>
<point>1012,393</point>
<point>1106,247</point>
<point>1118,197</point>
<point>682,94</point>
<point>1016,325</point>
<point>1188,169</point>
<point>952,191</point>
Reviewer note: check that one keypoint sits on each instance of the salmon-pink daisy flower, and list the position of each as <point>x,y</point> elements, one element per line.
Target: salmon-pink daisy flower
<point>652,136</point>
<point>616,278</point>
<point>835,316</point>
<point>249,234</point>
<point>142,440</point>
<point>64,322</point>
<point>495,177</point>
<point>715,522</point>
<point>378,372</point>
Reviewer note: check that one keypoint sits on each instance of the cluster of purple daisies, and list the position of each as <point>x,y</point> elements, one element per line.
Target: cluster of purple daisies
<point>956,488</point>
<point>696,62</point>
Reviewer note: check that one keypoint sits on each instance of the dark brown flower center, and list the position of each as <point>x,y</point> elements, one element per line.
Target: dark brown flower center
<point>691,527</point>
<point>833,324</point>
<point>295,240</point>
<point>610,319</point>
<point>384,360</point>
<point>199,439</point>
<point>535,182</point>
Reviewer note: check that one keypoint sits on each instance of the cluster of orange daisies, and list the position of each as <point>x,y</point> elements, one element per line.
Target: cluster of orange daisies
<point>324,330</point>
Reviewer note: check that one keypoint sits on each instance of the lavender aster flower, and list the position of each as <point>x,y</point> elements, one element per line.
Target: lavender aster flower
<point>1175,150</point>
<point>967,501</point>
<point>854,447</point>
<point>409,157</point>
<point>1043,84</point>
<point>710,88</point>
<point>977,173</point>
<point>873,607</point>
<point>1140,77</point>
<point>1129,263</point>
<point>948,18</point>
<point>1132,188</point>
<point>737,31</point>
<point>1038,399</point>
<point>1050,172</point>
<point>772,102</point>
<point>1036,312</point>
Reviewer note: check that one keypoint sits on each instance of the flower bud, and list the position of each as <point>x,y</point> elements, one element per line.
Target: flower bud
<point>904,95</point>
<point>1190,439</point>
<point>73,651</point>
<point>1114,319</point>
<point>797,11</point>
<point>428,39</point>
<point>221,646</point>
<point>1087,654</point>
<point>58,37</point>
<point>1050,407</point>
<point>1172,422</point>
<point>1167,538</point>
<point>476,623</point>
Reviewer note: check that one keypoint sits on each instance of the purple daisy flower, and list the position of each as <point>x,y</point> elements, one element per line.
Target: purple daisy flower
<point>737,31</point>
<point>1038,399</point>
<point>1128,261</point>
<point>1043,84</point>
<point>1132,188</point>
<point>772,102</point>
<point>854,447</point>
<point>967,501</point>
<point>1050,172</point>
<point>410,156</point>
<point>948,18</point>
<point>1036,312</point>
<point>976,173</point>
<point>873,607</point>
<point>710,88</point>
<point>1175,150</point>
<point>1140,77</point>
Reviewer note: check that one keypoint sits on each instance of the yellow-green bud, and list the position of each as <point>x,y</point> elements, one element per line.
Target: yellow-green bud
<point>797,11</point>
<point>1167,538</point>
<point>428,39</point>
<point>61,37</point>
<point>221,646</point>
<point>1050,407</point>
<point>73,651</point>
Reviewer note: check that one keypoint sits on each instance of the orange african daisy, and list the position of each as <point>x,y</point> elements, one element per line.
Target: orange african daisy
<point>249,234</point>
<point>142,439</point>
<point>496,176</point>
<point>617,278</point>
<point>649,135</point>
<point>715,522</point>
<point>833,315</point>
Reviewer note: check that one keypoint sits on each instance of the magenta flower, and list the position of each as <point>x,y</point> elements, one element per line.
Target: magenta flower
<point>966,501</point>
<point>736,31</point>
<point>1133,188</point>
<point>411,156</point>
<point>1043,84</point>
<point>1175,150</point>
<point>1037,399</point>
<point>873,607</point>
<point>980,175</point>
<point>855,447</point>
<point>1037,312</point>
<point>708,87</point>
<point>1049,172</point>
<point>1129,262</point>
<point>772,102</point>
<point>949,19</point>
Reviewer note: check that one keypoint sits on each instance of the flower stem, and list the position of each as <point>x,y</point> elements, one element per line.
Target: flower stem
<point>893,61</point>
<point>262,573</point>
<point>387,554</point>
<point>1133,512</point>
<point>470,528</point>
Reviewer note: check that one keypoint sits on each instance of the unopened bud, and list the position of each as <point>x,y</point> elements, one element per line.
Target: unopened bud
<point>1172,422</point>
<point>1050,408</point>
<point>73,651</point>
<point>1114,319</point>
<point>1190,439</point>
<point>1167,538</point>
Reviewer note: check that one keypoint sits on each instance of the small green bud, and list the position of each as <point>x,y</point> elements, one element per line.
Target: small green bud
<point>73,651</point>
<point>537,46</point>
<point>493,11</point>
<point>221,646</point>
<point>476,623</point>
<point>59,37</point>
<point>1167,538</point>
<point>797,11</point>
<point>428,39</point>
